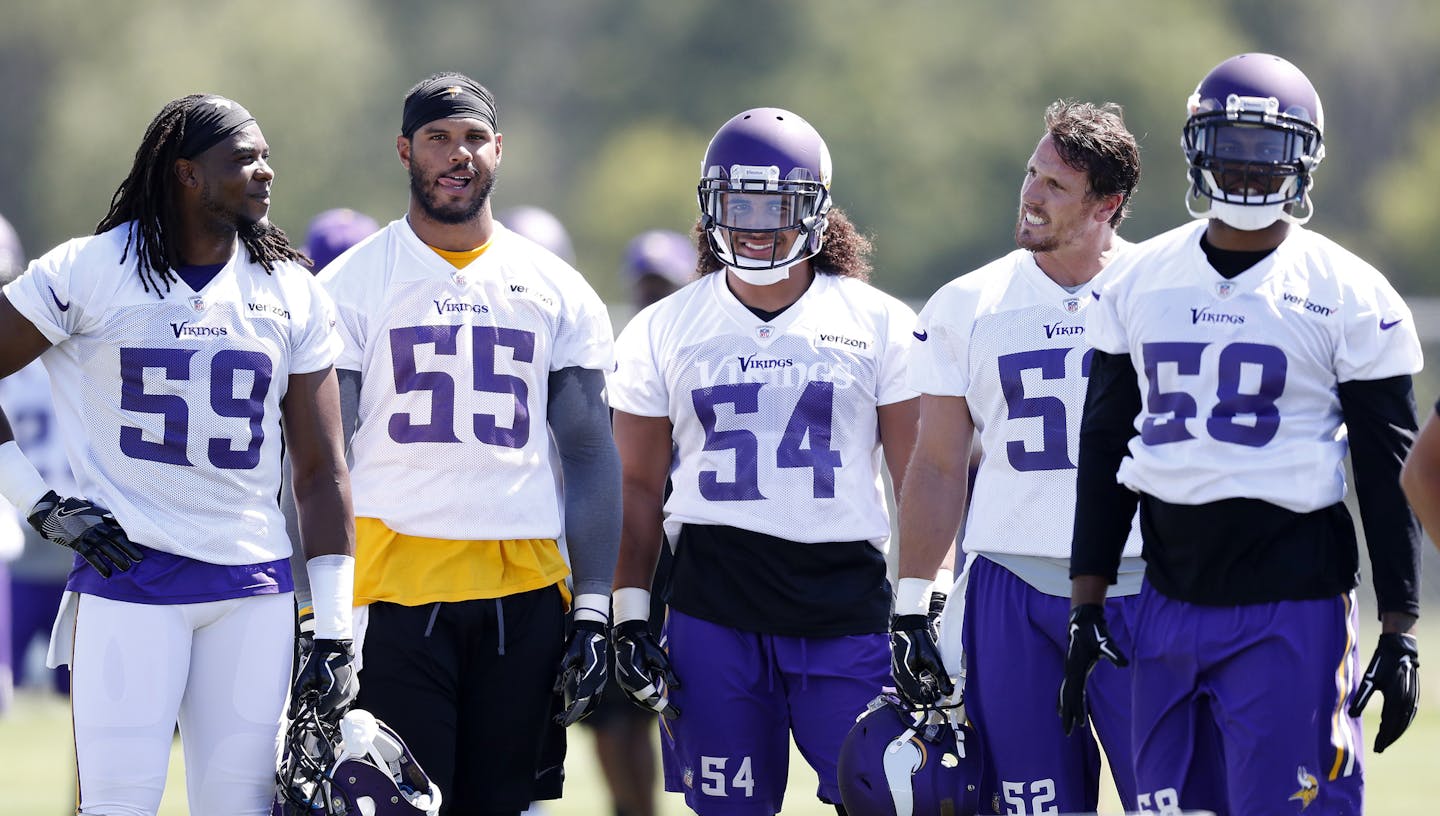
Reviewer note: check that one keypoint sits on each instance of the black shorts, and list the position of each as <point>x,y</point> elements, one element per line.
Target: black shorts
<point>469,686</point>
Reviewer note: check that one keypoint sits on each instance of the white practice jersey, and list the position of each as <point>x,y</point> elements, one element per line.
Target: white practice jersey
<point>1011,341</point>
<point>455,365</point>
<point>775,424</point>
<point>1239,377</point>
<point>169,406</point>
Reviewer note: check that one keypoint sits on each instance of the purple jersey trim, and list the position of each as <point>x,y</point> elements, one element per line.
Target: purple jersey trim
<point>166,578</point>
<point>199,276</point>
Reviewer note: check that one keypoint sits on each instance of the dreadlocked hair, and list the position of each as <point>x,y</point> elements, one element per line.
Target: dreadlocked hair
<point>845,252</point>
<point>148,196</point>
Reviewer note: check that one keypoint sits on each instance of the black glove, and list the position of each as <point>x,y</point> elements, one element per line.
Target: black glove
<point>937,608</point>
<point>582,671</point>
<point>86,528</point>
<point>1089,641</point>
<point>643,668</point>
<point>920,676</point>
<point>328,676</point>
<point>1395,672</point>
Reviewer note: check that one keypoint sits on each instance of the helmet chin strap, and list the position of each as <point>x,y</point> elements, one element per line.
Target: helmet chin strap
<point>763,277</point>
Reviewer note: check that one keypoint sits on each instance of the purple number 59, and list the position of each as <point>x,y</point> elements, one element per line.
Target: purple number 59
<point>227,368</point>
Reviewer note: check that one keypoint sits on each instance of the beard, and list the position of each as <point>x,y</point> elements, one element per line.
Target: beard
<point>424,191</point>
<point>229,218</point>
<point>1049,244</point>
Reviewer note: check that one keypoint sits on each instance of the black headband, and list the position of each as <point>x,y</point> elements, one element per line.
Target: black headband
<point>447,96</point>
<point>208,121</point>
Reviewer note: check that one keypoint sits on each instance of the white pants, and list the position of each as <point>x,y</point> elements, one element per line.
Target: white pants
<point>220,669</point>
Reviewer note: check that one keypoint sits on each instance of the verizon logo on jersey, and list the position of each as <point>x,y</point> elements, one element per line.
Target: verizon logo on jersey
<point>270,308</point>
<point>187,330</point>
<point>1204,315</point>
<point>1307,304</point>
<point>841,340</point>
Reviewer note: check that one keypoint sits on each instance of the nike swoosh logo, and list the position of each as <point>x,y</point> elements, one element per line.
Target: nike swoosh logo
<point>64,307</point>
<point>1096,294</point>
<point>1386,325</point>
<point>921,335</point>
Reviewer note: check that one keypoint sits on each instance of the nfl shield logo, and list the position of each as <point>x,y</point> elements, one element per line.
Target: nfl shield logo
<point>764,332</point>
<point>459,279</point>
<point>1072,305</point>
<point>1224,289</point>
<point>197,303</point>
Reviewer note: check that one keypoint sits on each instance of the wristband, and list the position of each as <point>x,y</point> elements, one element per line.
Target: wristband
<point>912,596</point>
<point>631,603</point>
<point>944,581</point>
<point>20,482</point>
<point>592,606</point>
<point>332,592</point>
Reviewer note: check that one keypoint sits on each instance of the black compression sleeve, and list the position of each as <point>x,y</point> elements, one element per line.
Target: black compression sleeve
<point>1104,508</point>
<point>1380,418</point>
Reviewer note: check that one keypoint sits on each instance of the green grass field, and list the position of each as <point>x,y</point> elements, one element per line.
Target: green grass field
<point>36,778</point>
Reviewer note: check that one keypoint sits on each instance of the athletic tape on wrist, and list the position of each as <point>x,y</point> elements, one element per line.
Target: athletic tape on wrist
<point>20,482</point>
<point>912,596</point>
<point>631,603</point>
<point>332,592</point>
<point>592,606</point>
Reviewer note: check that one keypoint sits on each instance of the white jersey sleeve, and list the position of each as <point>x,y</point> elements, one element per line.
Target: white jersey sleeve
<point>1012,343</point>
<point>1246,370</point>
<point>455,365</point>
<point>775,423</point>
<point>638,385</point>
<point>169,401</point>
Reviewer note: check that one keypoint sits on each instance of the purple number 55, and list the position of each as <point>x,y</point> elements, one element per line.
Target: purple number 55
<point>441,386</point>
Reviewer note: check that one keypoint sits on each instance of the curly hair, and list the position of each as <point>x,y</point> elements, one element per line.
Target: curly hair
<point>1093,139</point>
<point>845,251</point>
<point>148,198</point>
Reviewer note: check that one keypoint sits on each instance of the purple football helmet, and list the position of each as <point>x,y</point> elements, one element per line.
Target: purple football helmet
<point>766,171</point>
<point>541,227</point>
<point>358,766</point>
<point>663,253</point>
<point>1252,140</point>
<point>12,257</point>
<point>897,761</point>
<point>334,231</point>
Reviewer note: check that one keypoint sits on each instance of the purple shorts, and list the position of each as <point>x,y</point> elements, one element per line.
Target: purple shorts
<point>1015,639</point>
<point>742,695</point>
<point>1272,681</point>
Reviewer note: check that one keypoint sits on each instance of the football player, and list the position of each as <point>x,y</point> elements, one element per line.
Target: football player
<point>179,338</point>
<point>1237,359</point>
<point>779,379</point>
<point>37,575</point>
<point>1001,354</point>
<point>467,348</point>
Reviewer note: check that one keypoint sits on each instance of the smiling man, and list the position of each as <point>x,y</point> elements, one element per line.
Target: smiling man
<point>778,380</point>
<point>468,348</point>
<point>178,339</point>
<point>1002,358</point>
